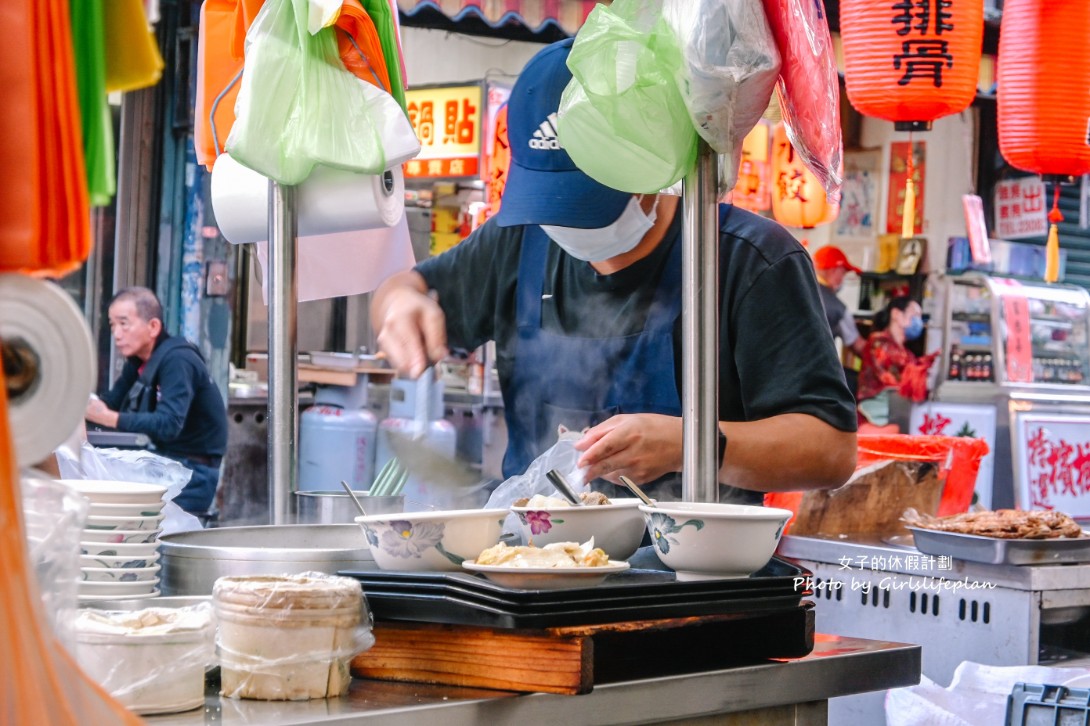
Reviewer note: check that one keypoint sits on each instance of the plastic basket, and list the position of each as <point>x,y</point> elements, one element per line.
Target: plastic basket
<point>957,457</point>
<point>1038,704</point>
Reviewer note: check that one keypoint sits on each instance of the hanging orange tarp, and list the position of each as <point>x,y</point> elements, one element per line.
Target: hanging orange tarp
<point>44,213</point>
<point>220,51</point>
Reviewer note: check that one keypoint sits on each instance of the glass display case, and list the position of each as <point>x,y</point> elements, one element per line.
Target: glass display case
<point>1016,333</point>
<point>1020,351</point>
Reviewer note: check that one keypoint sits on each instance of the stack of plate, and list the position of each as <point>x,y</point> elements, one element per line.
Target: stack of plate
<point>119,547</point>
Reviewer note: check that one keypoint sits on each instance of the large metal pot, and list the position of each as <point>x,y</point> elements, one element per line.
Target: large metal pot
<point>331,507</point>
<point>192,561</point>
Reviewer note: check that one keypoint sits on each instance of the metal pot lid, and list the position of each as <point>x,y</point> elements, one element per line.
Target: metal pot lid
<point>295,542</point>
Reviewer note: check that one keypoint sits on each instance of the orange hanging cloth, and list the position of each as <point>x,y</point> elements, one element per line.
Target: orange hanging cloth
<point>220,52</point>
<point>44,209</point>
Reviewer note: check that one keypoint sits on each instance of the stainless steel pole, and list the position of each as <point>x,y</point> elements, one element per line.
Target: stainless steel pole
<point>700,330</point>
<point>283,394</point>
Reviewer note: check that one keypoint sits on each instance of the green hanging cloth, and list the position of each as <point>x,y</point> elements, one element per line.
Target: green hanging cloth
<point>98,136</point>
<point>383,18</point>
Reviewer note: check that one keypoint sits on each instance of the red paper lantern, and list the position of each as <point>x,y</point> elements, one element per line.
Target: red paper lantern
<point>798,199</point>
<point>1044,86</point>
<point>912,61</point>
<point>498,163</point>
<point>751,191</point>
<point>1043,101</point>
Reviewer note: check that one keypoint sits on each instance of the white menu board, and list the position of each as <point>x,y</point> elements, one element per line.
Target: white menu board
<point>1052,462</point>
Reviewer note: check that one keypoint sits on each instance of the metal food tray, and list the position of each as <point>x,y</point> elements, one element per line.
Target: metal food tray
<point>997,551</point>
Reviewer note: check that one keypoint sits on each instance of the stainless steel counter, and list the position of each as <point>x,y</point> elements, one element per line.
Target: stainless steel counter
<point>868,552</point>
<point>795,690</point>
<point>1000,615</point>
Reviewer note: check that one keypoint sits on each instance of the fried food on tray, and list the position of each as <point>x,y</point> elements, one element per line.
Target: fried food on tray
<point>1002,523</point>
<point>557,554</point>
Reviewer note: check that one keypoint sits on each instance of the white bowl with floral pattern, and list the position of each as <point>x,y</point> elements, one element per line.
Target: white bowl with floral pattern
<point>119,561</point>
<point>120,536</point>
<point>126,522</point>
<point>119,574</point>
<point>114,549</point>
<point>617,527</point>
<point>704,540</point>
<point>436,540</point>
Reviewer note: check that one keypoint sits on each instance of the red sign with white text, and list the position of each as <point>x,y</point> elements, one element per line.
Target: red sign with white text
<point>1019,346</point>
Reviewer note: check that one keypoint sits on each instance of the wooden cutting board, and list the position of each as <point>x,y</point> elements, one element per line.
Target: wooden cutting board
<point>570,660</point>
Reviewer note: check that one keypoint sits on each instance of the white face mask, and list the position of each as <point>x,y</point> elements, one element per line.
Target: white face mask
<point>602,243</point>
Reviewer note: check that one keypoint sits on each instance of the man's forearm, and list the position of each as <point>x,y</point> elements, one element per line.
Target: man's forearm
<point>789,452</point>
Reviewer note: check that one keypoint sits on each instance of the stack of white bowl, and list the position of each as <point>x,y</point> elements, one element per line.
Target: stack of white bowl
<point>119,546</point>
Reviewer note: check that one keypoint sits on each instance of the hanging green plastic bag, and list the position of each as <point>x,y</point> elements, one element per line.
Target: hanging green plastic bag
<point>98,134</point>
<point>622,119</point>
<point>298,106</point>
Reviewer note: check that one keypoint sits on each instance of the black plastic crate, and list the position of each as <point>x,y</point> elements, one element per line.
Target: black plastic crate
<point>1039,704</point>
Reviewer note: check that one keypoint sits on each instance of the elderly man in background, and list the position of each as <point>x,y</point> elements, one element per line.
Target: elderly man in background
<point>166,392</point>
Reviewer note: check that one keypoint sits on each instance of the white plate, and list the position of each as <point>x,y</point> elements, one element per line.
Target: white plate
<point>546,578</point>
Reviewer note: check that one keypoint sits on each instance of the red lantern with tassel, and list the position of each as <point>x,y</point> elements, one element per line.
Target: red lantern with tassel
<point>498,162</point>
<point>798,199</point>
<point>911,61</point>
<point>1043,103</point>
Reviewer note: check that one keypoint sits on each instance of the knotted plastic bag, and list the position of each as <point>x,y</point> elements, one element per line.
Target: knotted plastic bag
<point>298,106</point>
<point>622,118</point>
<point>561,456</point>
<point>728,72</point>
<point>809,89</point>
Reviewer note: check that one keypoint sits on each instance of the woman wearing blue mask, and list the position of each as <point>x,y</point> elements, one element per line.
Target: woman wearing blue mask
<point>888,366</point>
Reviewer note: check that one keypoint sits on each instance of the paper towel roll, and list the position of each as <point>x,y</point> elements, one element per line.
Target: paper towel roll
<point>346,263</point>
<point>44,332</point>
<point>329,201</point>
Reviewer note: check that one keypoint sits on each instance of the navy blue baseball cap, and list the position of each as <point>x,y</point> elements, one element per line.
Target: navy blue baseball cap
<point>544,186</point>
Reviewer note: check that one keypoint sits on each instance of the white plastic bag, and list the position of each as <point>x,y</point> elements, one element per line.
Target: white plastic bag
<point>561,456</point>
<point>729,70</point>
<point>134,465</point>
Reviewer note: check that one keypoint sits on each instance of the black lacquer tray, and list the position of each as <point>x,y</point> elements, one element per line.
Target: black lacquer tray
<point>640,593</point>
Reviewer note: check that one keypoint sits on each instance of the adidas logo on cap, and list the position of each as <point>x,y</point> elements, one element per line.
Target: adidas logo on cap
<point>544,136</point>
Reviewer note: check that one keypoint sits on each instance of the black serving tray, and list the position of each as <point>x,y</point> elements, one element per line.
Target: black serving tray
<point>637,594</point>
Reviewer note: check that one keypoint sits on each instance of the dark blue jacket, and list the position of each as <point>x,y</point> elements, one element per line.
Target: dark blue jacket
<point>173,400</point>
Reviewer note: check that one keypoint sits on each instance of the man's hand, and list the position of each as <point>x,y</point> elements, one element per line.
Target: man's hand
<point>99,413</point>
<point>642,446</point>
<point>411,326</point>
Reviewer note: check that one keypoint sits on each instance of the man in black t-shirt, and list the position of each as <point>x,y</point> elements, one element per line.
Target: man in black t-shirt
<point>580,287</point>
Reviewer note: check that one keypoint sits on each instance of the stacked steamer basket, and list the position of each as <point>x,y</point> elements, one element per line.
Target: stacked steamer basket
<point>119,547</point>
